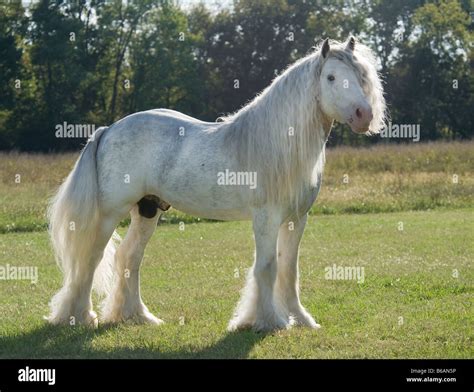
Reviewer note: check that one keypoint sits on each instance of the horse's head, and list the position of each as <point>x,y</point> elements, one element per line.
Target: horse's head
<point>350,88</point>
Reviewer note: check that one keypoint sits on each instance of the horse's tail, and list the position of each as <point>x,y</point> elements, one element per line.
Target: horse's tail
<point>73,216</point>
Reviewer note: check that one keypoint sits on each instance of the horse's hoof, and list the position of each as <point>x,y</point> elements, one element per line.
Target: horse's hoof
<point>303,319</point>
<point>148,318</point>
<point>138,318</point>
<point>87,319</point>
<point>238,324</point>
<point>271,325</point>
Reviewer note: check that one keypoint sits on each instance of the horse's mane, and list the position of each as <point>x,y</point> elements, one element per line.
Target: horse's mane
<point>282,132</point>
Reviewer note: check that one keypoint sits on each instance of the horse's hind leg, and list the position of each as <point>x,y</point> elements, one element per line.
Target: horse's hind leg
<point>72,305</point>
<point>124,302</point>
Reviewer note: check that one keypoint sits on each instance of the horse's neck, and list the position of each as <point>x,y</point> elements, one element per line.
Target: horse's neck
<point>282,133</point>
<point>289,106</point>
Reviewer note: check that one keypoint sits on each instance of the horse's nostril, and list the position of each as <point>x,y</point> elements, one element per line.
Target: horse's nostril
<point>358,113</point>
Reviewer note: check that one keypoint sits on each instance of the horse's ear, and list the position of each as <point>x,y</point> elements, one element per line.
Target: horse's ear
<point>325,48</point>
<point>351,44</point>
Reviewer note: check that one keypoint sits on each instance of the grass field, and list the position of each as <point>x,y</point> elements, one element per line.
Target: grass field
<point>195,276</point>
<point>416,300</point>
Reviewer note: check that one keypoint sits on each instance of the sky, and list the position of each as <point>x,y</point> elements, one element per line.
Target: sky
<point>212,4</point>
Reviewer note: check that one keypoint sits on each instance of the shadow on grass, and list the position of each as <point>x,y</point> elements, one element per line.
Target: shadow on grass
<point>65,342</point>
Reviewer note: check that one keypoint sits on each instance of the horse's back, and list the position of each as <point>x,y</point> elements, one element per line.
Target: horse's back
<point>173,114</point>
<point>151,130</point>
<point>158,120</point>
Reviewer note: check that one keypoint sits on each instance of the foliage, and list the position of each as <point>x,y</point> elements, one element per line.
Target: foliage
<point>95,62</point>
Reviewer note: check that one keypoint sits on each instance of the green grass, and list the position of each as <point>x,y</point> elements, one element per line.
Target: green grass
<point>384,178</point>
<point>192,274</point>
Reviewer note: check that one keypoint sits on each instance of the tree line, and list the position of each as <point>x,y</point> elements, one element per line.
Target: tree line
<point>95,61</point>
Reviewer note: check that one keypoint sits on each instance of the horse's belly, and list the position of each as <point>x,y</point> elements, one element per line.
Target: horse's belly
<point>210,203</point>
<point>205,212</point>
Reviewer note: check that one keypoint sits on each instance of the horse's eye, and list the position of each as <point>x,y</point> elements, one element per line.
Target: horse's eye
<point>331,78</point>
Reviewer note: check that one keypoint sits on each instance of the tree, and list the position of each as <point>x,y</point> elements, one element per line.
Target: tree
<point>12,26</point>
<point>431,81</point>
<point>118,21</point>
<point>92,62</point>
<point>163,65</point>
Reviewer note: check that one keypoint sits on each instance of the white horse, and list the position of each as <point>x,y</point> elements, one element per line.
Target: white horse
<point>151,160</point>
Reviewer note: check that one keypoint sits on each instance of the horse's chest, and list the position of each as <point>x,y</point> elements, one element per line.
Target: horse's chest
<point>309,196</point>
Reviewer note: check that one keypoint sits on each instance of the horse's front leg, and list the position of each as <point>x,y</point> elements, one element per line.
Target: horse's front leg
<point>256,308</point>
<point>287,283</point>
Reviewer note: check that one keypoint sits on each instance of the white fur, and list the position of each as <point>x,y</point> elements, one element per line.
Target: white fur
<point>177,158</point>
